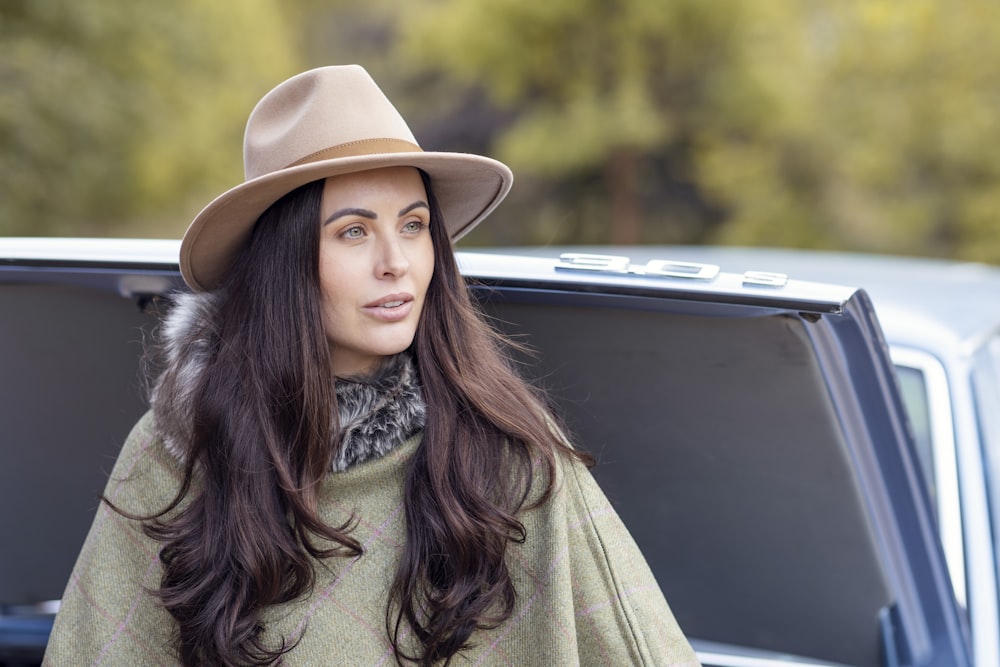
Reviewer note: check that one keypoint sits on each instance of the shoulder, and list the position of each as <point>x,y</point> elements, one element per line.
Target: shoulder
<point>146,475</point>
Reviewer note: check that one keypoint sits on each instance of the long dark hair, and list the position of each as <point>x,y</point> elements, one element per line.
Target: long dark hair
<point>260,444</point>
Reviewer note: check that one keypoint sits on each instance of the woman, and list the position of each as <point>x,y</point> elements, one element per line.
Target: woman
<point>340,466</point>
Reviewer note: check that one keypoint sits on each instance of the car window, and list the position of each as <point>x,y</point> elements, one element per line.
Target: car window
<point>913,382</point>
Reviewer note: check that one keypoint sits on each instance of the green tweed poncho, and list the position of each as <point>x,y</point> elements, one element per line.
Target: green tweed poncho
<point>584,593</point>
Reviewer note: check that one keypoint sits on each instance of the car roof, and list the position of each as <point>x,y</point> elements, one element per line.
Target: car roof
<point>91,258</point>
<point>945,298</point>
<point>42,251</point>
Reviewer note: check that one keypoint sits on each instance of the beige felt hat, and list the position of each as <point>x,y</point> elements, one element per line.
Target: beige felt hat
<point>325,122</point>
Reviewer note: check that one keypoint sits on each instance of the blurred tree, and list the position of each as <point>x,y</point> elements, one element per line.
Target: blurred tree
<point>880,134</point>
<point>604,92</point>
<point>858,124</point>
<point>115,112</point>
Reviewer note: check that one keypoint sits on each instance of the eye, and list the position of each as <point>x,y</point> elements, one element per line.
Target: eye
<point>414,226</point>
<point>355,232</point>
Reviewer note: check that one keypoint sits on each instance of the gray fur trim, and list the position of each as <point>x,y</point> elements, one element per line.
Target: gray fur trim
<point>379,412</point>
<point>375,413</point>
<point>186,339</point>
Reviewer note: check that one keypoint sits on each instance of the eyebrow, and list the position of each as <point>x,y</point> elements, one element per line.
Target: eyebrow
<point>363,212</point>
<point>417,204</point>
<point>371,215</point>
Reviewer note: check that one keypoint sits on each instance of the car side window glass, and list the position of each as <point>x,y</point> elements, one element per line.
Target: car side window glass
<point>913,384</point>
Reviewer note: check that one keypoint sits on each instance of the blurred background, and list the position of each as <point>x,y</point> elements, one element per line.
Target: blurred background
<point>848,124</point>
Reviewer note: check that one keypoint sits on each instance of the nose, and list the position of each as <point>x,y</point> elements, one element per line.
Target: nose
<point>392,261</point>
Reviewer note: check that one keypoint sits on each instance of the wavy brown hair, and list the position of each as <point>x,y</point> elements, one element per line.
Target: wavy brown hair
<point>240,534</point>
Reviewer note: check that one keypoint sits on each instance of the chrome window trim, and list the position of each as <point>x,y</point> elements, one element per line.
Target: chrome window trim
<point>949,509</point>
<point>718,654</point>
<point>723,660</point>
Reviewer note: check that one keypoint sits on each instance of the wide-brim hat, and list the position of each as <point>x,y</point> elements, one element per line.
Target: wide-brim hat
<point>326,122</point>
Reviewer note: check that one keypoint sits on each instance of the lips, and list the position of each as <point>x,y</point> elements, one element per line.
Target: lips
<point>390,301</point>
<point>390,308</point>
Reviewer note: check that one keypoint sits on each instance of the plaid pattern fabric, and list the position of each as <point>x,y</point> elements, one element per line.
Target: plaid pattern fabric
<point>585,594</point>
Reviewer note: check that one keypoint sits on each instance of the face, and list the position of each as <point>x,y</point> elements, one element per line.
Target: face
<point>375,263</point>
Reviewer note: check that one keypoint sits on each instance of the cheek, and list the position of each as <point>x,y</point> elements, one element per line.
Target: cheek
<point>427,263</point>
<point>331,285</point>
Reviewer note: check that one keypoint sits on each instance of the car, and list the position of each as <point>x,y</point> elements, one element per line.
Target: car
<point>750,427</point>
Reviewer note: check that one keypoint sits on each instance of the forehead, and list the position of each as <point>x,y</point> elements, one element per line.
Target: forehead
<point>402,182</point>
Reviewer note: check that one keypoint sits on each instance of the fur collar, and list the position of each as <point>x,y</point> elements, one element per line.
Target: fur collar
<point>378,412</point>
<point>375,413</point>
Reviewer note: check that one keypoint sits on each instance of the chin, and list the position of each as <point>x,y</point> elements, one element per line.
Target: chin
<point>390,348</point>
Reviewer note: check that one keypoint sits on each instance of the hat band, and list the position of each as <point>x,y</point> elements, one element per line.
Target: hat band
<point>360,147</point>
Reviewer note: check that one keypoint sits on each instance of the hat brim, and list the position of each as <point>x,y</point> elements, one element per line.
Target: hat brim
<point>467,187</point>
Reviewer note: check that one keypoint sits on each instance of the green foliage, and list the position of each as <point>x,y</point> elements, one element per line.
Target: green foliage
<point>860,124</point>
<point>881,131</point>
<point>600,87</point>
<point>115,111</point>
